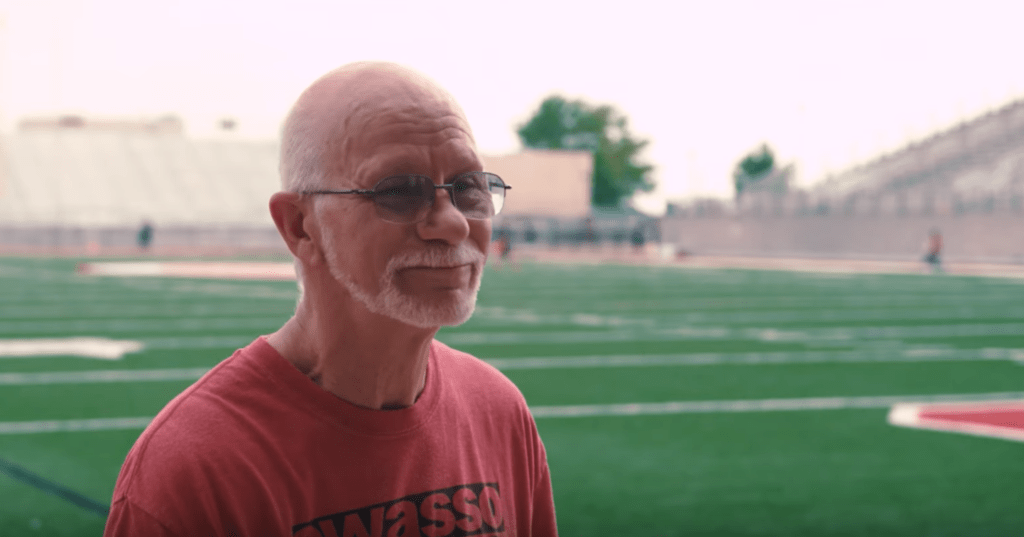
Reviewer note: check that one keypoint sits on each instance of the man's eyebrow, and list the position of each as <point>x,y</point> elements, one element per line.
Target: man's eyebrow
<point>465,170</point>
<point>408,167</point>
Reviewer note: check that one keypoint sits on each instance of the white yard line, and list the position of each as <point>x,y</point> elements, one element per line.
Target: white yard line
<point>580,411</point>
<point>48,347</point>
<point>185,269</point>
<point>62,326</point>
<point>756,358</point>
<point>529,317</point>
<point>109,375</point>
<point>569,362</point>
<point>266,324</point>
<point>756,405</point>
<point>64,426</point>
<point>685,333</point>
<point>85,347</point>
<point>1003,312</point>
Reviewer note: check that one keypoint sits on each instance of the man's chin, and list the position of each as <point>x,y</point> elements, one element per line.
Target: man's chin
<point>460,318</point>
<point>435,312</point>
<point>424,308</point>
<point>452,315</point>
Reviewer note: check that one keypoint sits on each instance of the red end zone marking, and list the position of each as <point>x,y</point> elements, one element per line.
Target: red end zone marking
<point>186,269</point>
<point>996,419</point>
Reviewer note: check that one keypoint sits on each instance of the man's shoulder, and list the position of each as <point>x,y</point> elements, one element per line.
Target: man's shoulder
<point>199,437</point>
<point>202,414</point>
<point>464,363</point>
<point>473,376</point>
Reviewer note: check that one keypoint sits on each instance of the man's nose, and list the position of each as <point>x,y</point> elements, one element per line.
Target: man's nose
<point>444,221</point>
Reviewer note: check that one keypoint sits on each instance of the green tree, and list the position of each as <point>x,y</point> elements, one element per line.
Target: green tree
<point>602,130</point>
<point>755,166</point>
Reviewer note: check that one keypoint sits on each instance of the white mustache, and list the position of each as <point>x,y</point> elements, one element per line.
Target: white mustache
<point>449,257</point>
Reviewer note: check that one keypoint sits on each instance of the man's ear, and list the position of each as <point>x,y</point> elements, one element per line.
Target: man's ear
<point>291,216</point>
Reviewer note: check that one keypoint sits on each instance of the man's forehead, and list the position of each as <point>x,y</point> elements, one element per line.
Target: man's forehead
<point>406,123</point>
<point>394,114</point>
<point>367,110</point>
<point>450,157</point>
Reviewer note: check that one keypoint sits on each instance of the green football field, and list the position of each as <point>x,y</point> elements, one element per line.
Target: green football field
<point>671,401</point>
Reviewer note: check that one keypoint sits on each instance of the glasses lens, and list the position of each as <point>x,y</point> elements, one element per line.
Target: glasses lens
<point>403,198</point>
<point>472,195</point>
<point>496,188</point>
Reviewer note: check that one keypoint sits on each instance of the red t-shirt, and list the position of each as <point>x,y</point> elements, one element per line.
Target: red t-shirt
<point>255,448</point>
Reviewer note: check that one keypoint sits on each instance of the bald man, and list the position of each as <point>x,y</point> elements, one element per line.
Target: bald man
<point>352,419</point>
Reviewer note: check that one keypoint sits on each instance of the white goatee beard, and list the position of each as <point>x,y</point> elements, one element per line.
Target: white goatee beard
<point>391,302</point>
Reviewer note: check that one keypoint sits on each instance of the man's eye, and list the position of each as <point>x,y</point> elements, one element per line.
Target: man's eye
<point>404,189</point>
<point>464,184</point>
<point>396,191</point>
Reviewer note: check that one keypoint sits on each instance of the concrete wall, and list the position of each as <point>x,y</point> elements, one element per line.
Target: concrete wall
<point>545,182</point>
<point>179,239</point>
<point>995,237</point>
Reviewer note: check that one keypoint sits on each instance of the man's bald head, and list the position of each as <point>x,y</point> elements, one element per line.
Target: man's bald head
<point>340,107</point>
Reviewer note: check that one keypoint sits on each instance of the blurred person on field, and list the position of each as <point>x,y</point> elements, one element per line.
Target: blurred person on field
<point>351,419</point>
<point>638,238</point>
<point>503,246</point>
<point>145,236</point>
<point>933,250</point>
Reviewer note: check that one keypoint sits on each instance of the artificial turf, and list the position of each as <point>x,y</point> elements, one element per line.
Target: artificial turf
<point>807,472</point>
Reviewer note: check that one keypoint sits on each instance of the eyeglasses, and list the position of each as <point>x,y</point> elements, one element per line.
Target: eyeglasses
<point>407,199</point>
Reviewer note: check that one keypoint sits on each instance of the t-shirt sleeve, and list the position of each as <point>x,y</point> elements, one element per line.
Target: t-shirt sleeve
<point>128,520</point>
<point>544,523</point>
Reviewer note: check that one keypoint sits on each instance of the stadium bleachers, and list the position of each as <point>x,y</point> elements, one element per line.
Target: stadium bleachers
<point>976,157</point>
<point>107,178</point>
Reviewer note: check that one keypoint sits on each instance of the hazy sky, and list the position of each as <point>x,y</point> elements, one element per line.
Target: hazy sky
<point>827,84</point>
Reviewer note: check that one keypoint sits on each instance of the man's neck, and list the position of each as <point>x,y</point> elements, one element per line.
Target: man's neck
<point>366,359</point>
